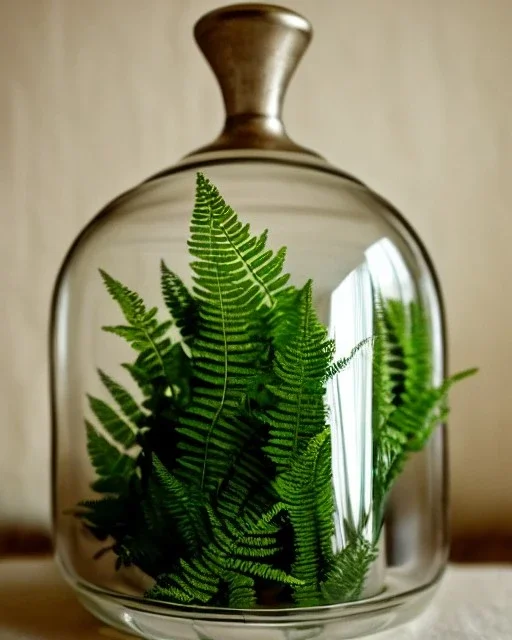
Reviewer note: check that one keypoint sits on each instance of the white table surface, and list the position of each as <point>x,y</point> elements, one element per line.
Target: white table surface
<point>473,603</point>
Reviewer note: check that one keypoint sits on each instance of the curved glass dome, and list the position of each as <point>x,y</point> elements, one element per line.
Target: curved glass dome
<point>289,475</point>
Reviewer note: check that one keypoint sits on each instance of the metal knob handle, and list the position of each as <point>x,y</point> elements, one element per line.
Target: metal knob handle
<point>253,50</point>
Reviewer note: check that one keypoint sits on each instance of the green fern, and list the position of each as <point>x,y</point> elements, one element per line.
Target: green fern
<point>301,358</point>
<point>343,363</point>
<point>215,478</point>
<point>113,467</point>
<point>407,408</point>
<point>236,278</point>
<point>120,431</point>
<point>105,517</point>
<point>123,399</point>
<point>145,334</point>
<point>179,301</point>
<point>346,578</point>
<point>236,555</point>
<point>306,492</point>
<point>247,488</point>
<point>179,507</point>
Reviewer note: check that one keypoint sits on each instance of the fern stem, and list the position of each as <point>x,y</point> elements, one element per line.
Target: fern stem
<point>271,300</point>
<point>225,385</point>
<point>301,386</point>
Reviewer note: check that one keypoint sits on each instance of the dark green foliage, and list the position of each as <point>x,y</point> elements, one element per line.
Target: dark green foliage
<point>123,399</point>
<point>302,354</point>
<point>217,481</point>
<point>145,334</point>
<point>175,505</point>
<point>113,467</point>
<point>345,580</point>
<point>236,554</point>
<point>113,424</point>
<point>306,492</point>
<point>181,304</point>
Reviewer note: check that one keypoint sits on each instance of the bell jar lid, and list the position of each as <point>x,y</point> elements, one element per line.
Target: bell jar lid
<point>253,50</point>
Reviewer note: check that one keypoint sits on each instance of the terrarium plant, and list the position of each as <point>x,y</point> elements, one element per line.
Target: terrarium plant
<point>215,478</point>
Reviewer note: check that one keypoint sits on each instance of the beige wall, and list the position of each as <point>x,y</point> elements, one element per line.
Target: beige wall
<point>413,96</point>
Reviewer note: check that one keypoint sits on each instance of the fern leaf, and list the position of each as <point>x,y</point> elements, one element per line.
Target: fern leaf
<point>235,278</point>
<point>109,463</point>
<point>195,582</point>
<point>432,410</point>
<point>262,570</point>
<point>384,359</point>
<point>198,580</point>
<point>252,265</point>
<point>181,304</point>
<point>306,491</point>
<point>417,404</point>
<point>123,433</point>
<point>343,363</point>
<point>407,407</point>
<point>144,332</point>
<point>123,399</point>
<point>242,594</point>
<point>300,365</point>
<point>247,488</point>
<point>176,503</point>
<point>388,443</point>
<point>105,516</point>
<point>140,377</point>
<point>346,579</point>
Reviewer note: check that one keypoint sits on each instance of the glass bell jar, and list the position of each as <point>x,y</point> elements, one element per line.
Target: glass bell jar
<point>248,384</point>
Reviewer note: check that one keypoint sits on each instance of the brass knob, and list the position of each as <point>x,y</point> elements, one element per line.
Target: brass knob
<point>253,50</point>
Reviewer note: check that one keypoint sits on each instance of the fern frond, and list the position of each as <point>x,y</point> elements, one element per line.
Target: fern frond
<point>242,594</point>
<point>123,399</point>
<point>113,467</point>
<point>300,364</point>
<point>417,404</point>
<point>346,579</point>
<point>306,491</point>
<point>131,303</point>
<point>120,431</point>
<point>181,304</point>
<point>263,570</point>
<point>198,580</point>
<point>140,377</point>
<point>343,363</point>
<point>195,582</point>
<point>247,488</point>
<point>179,508</point>
<point>235,278</point>
<point>144,333</point>
<point>407,407</point>
<point>385,366</point>
<point>109,510</point>
<point>389,443</point>
<point>217,236</point>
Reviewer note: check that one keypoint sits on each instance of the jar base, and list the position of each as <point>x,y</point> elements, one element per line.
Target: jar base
<point>159,621</point>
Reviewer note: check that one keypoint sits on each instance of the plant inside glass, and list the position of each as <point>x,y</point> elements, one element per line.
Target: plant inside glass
<point>218,482</point>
